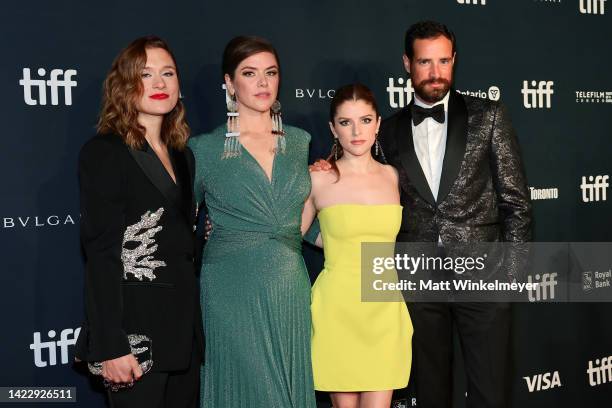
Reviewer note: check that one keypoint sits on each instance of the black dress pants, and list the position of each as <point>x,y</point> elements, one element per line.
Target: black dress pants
<point>484,332</point>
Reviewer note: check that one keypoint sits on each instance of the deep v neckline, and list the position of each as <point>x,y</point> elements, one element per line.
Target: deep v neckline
<point>263,171</point>
<point>161,163</point>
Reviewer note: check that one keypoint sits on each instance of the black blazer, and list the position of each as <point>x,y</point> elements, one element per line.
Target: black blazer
<point>137,235</point>
<point>483,194</point>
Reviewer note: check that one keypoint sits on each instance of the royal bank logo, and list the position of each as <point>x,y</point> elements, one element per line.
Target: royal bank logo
<point>587,281</point>
<point>592,280</point>
<point>592,6</point>
<point>551,193</point>
<point>593,97</point>
<point>600,372</point>
<point>537,94</point>
<point>544,287</point>
<point>541,382</point>
<point>35,90</point>
<point>493,93</point>
<point>37,221</point>
<point>475,2</point>
<point>45,352</point>
<point>400,94</point>
<point>594,188</point>
<point>314,93</point>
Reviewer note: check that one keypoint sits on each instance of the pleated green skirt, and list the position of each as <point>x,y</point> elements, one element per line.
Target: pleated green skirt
<point>256,311</point>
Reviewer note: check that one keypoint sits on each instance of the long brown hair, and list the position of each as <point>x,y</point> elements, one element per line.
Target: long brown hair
<point>122,90</point>
<point>350,92</point>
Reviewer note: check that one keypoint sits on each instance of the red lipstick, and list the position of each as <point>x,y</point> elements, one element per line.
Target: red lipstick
<point>159,96</point>
<point>357,142</point>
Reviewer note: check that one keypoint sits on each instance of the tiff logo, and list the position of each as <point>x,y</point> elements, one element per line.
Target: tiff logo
<point>544,381</point>
<point>544,287</point>
<point>399,95</point>
<point>601,372</point>
<point>594,191</point>
<point>534,97</point>
<point>58,78</point>
<point>68,337</point>
<point>592,6</point>
<point>481,2</point>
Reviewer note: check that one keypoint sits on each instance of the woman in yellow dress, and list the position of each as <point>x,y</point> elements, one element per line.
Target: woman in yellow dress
<point>361,351</point>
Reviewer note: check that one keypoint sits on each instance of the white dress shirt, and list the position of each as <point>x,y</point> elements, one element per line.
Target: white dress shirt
<point>429,140</point>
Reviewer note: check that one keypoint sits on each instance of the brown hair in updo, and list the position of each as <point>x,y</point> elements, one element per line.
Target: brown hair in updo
<point>351,92</point>
<point>242,47</point>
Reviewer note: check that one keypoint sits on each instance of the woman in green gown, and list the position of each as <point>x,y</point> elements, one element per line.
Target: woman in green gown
<point>252,174</point>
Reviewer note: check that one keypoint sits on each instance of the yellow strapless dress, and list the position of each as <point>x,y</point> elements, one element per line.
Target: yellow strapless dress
<point>357,346</point>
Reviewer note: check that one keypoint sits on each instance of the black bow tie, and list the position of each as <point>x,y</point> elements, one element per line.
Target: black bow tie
<point>419,114</point>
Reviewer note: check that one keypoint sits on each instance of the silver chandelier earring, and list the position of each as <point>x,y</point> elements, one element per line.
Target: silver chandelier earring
<point>232,144</point>
<point>377,145</point>
<point>277,127</point>
<point>335,149</point>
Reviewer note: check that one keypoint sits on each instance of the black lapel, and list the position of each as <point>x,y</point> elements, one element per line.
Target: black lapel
<point>408,157</point>
<point>456,139</point>
<point>156,173</point>
<point>185,183</point>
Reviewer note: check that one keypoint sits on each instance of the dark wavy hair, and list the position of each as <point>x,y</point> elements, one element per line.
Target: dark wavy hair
<point>123,88</point>
<point>426,30</point>
<point>350,92</point>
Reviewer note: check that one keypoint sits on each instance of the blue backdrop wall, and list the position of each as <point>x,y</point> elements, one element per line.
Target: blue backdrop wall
<point>548,61</point>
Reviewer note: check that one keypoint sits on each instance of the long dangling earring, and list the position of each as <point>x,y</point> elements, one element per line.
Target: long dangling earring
<point>377,145</point>
<point>277,127</point>
<point>232,144</point>
<point>335,149</point>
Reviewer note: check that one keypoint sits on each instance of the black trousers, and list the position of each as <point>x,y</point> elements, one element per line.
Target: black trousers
<point>173,389</point>
<point>484,332</point>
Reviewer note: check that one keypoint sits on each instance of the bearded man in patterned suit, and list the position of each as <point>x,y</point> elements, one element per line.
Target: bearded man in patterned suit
<point>461,181</point>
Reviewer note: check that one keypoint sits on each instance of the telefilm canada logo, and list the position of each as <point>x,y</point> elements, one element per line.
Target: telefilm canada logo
<point>548,193</point>
<point>593,97</point>
<point>46,352</point>
<point>38,221</point>
<point>36,91</point>
<point>542,382</point>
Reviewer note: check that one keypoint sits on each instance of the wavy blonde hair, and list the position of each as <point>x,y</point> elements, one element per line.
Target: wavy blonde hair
<point>123,88</point>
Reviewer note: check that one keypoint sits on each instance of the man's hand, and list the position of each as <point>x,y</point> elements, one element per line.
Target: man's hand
<point>207,228</point>
<point>320,165</point>
<point>124,369</point>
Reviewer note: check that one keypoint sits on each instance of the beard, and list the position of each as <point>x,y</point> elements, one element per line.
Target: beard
<point>432,96</point>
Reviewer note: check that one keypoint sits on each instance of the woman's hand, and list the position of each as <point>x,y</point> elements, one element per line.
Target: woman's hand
<point>124,369</point>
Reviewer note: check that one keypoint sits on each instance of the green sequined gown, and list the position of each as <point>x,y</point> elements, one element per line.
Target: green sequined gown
<point>255,287</point>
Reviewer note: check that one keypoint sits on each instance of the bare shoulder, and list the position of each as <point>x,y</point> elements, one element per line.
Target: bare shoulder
<point>390,172</point>
<point>322,178</point>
